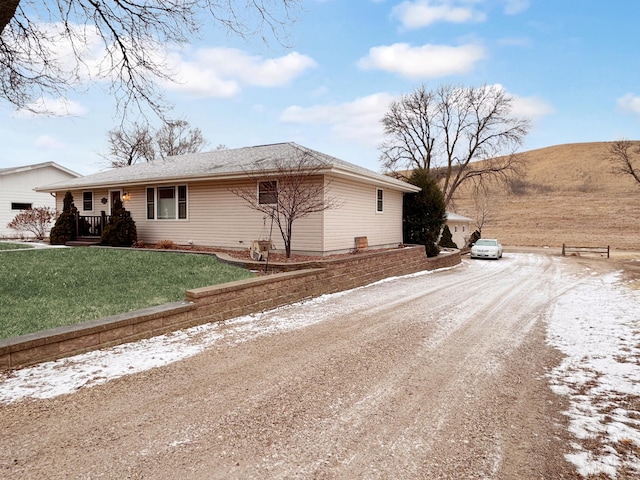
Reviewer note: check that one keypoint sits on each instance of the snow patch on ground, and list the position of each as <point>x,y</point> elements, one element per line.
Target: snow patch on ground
<point>596,324</point>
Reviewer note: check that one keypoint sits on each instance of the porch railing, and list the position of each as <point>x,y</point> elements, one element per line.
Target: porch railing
<point>91,225</point>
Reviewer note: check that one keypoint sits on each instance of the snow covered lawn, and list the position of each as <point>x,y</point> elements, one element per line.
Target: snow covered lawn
<point>596,324</point>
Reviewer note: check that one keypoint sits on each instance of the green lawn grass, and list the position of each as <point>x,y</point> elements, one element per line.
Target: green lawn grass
<point>46,288</point>
<point>13,246</point>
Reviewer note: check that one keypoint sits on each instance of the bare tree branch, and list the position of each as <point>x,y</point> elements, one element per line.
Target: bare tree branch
<point>177,137</point>
<point>138,143</point>
<point>626,158</point>
<point>49,48</point>
<point>450,128</point>
<point>129,146</point>
<point>301,190</point>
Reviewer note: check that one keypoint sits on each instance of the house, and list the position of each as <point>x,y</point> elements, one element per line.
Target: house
<point>190,199</point>
<point>460,227</point>
<point>17,190</point>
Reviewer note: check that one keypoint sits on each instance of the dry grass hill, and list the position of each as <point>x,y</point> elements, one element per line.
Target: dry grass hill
<point>568,194</point>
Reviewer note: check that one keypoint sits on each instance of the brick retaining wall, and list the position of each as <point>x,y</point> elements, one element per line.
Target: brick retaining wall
<point>220,302</point>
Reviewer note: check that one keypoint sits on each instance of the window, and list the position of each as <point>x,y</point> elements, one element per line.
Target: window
<point>87,201</point>
<point>268,192</point>
<point>20,206</point>
<point>182,201</point>
<point>380,200</point>
<point>167,203</point>
<point>151,203</point>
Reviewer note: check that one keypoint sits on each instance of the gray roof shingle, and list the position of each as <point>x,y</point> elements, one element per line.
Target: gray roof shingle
<point>218,164</point>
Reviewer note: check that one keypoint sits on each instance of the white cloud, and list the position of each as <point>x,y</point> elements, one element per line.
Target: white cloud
<point>513,7</point>
<point>48,142</point>
<point>530,107</point>
<point>515,42</point>
<point>422,13</point>
<point>59,107</point>
<point>427,61</point>
<point>222,72</point>
<point>629,103</point>
<point>358,121</point>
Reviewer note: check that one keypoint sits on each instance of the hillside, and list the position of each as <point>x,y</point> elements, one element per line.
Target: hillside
<point>568,194</point>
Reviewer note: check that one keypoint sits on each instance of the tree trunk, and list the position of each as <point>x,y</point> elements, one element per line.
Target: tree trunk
<point>7,11</point>
<point>287,243</point>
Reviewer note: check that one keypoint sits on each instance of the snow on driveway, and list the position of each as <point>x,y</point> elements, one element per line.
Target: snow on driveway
<point>594,321</point>
<point>596,324</point>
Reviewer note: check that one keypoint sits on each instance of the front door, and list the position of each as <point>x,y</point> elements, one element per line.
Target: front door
<point>113,196</point>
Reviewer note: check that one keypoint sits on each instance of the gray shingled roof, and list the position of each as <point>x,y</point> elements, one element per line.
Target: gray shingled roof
<point>218,164</point>
<point>35,166</point>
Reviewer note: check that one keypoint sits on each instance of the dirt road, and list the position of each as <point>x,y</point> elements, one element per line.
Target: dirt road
<point>433,376</point>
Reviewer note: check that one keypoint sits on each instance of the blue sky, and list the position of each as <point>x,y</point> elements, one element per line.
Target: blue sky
<point>572,66</point>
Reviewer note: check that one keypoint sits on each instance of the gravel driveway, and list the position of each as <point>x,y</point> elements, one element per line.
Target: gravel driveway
<point>432,376</point>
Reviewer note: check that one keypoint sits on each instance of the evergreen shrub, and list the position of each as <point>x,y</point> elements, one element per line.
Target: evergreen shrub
<point>120,230</point>
<point>65,228</point>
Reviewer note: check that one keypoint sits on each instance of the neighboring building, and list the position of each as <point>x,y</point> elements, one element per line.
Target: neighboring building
<point>17,190</point>
<point>460,228</point>
<point>189,199</point>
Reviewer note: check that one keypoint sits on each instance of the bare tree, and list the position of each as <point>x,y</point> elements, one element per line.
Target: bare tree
<point>129,146</point>
<point>138,143</point>
<point>47,48</point>
<point>448,129</point>
<point>626,157</point>
<point>287,189</point>
<point>483,204</point>
<point>177,137</point>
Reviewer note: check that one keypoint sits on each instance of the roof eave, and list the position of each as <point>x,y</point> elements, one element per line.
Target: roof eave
<point>373,178</point>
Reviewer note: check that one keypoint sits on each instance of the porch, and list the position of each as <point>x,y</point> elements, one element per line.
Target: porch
<point>89,229</point>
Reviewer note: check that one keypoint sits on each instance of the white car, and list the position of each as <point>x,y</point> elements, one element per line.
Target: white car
<point>486,248</point>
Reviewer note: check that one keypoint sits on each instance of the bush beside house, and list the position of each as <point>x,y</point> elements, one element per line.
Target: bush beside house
<point>424,213</point>
<point>65,228</point>
<point>120,230</point>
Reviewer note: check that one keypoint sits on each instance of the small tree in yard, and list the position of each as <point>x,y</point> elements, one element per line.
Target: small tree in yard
<point>34,220</point>
<point>424,213</point>
<point>288,189</point>
<point>121,230</point>
<point>65,228</point>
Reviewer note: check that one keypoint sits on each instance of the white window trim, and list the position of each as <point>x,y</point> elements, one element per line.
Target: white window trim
<point>93,201</point>
<point>177,203</point>
<point>377,193</point>
<point>258,192</point>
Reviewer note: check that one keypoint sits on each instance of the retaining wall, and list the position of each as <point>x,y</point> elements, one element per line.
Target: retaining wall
<point>220,302</point>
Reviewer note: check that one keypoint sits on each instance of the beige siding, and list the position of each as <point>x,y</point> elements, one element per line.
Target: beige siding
<point>357,216</point>
<point>218,218</point>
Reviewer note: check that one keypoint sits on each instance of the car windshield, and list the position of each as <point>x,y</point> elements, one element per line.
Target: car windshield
<point>487,243</point>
